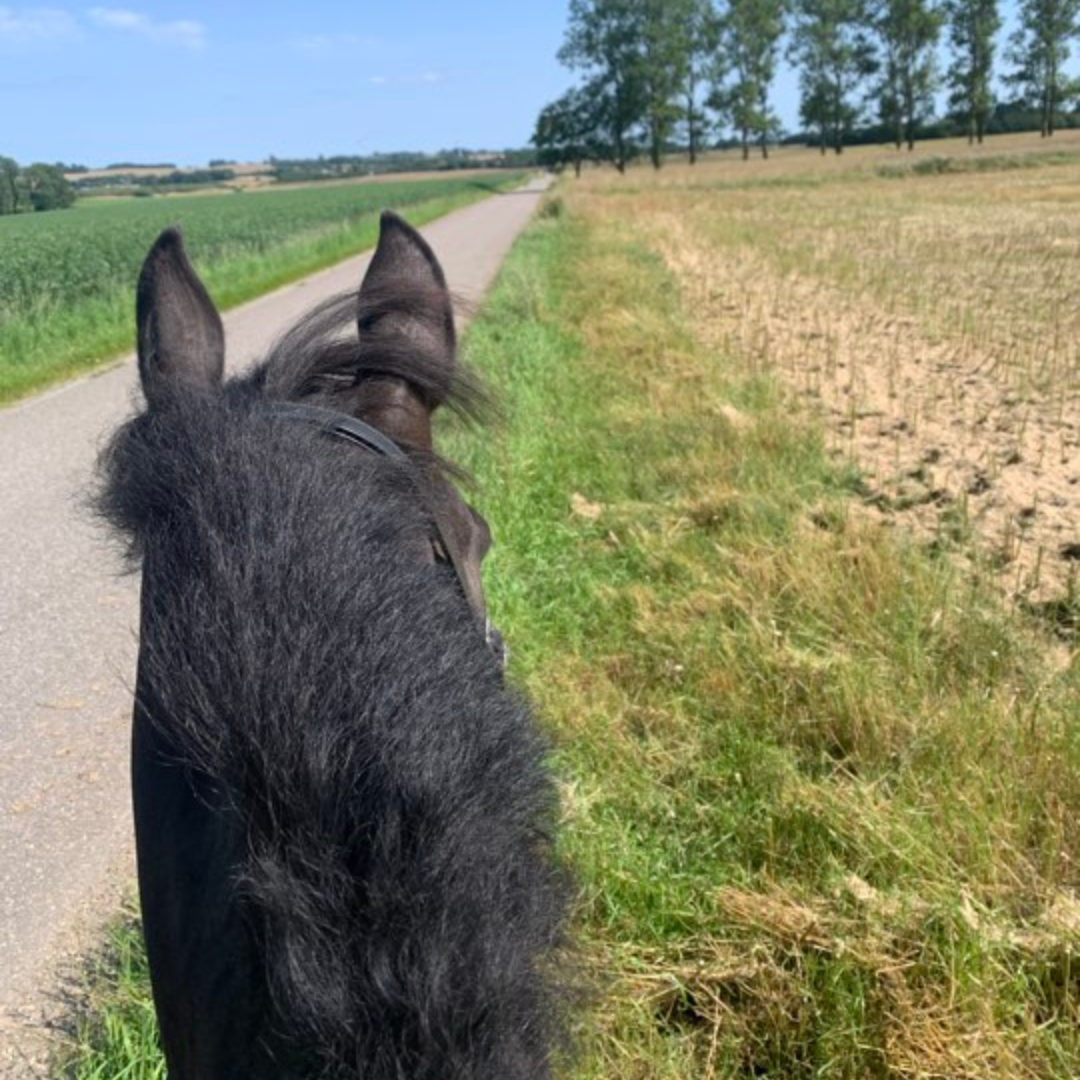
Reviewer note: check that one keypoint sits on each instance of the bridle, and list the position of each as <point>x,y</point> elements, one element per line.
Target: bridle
<point>342,426</point>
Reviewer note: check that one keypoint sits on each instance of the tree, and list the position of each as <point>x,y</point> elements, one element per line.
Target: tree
<point>1039,49</point>
<point>750,32</point>
<point>603,39</point>
<point>908,31</point>
<point>662,64</point>
<point>566,131</point>
<point>972,26</point>
<point>10,186</point>
<point>700,32</point>
<point>834,53</point>
<point>48,188</point>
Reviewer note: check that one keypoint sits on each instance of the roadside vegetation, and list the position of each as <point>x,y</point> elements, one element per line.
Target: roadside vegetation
<point>67,280</point>
<point>820,776</point>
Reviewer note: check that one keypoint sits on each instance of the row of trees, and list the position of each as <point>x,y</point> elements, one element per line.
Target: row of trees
<point>654,72</point>
<point>37,187</point>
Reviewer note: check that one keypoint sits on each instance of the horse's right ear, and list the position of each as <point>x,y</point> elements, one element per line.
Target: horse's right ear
<point>181,343</point>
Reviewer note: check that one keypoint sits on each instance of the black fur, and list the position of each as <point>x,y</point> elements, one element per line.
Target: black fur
<point>344,820</point>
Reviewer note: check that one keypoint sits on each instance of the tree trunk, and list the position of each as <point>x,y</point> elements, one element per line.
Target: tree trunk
<point>1052,99</point>
<point>745,145</point>
<point>691,130</point>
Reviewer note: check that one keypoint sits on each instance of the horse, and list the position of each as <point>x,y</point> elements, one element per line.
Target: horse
<point>344,815</point>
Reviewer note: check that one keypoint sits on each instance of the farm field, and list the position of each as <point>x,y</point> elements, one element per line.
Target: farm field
<point>821,774</point>
<point>928,306</point>
<point>67,278</point>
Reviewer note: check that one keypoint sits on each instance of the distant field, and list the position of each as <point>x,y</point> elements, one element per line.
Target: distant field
<point>67,278</point>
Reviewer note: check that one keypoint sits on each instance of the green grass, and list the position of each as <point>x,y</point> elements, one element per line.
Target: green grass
<point>820,791</point>
<point>67,279</point>
<point>116,1031</point>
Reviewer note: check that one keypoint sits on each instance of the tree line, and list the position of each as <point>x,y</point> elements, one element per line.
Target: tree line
<point>36,187</point>
<point>654,74</point>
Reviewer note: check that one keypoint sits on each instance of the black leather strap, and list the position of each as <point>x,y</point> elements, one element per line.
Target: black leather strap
<point>335,423</point>
<point>356,431</point>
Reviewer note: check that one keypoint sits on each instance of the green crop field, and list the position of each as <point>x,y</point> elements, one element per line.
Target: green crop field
<point>67,278</point>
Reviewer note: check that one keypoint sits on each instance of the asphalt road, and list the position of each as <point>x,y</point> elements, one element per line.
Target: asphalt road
<point>67,641</point>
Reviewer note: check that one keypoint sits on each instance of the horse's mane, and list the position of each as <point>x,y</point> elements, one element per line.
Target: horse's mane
<point>323,354</point>
<point>389,812</point>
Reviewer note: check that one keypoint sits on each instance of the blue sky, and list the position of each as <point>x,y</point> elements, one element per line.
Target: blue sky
<point>191,80</point>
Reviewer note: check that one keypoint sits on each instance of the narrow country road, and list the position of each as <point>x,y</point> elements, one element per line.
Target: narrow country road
<point>67,640</point>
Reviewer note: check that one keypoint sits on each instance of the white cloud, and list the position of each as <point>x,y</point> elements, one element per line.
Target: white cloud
<point>425,78</point>
<point>322,42</point>
<point>183,32</point>
<point>34,24</point>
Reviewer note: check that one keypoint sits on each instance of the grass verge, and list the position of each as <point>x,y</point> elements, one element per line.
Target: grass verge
<point>820,791</point>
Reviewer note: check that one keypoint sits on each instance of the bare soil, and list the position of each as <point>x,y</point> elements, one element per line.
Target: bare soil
<point>954,454</point>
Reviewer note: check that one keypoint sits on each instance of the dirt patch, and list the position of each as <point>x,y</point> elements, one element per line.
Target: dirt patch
<point>947,449</point>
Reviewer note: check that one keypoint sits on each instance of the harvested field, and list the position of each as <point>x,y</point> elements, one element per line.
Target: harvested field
<point>928,308</point>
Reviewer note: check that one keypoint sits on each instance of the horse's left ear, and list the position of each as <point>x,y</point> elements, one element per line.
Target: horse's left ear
<point>406,319</point>
<point>181,342</point>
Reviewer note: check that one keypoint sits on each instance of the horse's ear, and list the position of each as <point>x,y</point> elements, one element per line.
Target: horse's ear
<point>406,316</point>
<point>181,343</point>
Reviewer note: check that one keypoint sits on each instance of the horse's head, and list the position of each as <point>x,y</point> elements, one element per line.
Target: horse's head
<point>391,375</point>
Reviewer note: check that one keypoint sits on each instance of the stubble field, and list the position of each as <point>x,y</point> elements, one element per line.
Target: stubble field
<point>928,308</point>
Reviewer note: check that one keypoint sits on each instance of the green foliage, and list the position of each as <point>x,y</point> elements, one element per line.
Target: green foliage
<point>603,40</point>
<point>38,187</point>
<point>699,33</point>
<point>12,192</point>
<point>801,788</point>
<point>1039,49</point>
<point>831,42</point>
<point>665,54</point>
<point>48,188</point>
<point>749,38</point>
<point>972,26</point>
<point>566,131</point>
<point>908,31</point>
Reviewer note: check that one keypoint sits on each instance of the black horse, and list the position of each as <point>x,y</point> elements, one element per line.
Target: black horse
<point>343,818</point>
